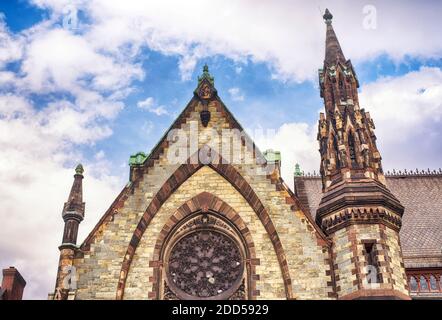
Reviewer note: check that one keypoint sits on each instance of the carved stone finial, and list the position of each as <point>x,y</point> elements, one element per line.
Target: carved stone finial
<point>328,17</point>
<point>79,169</point>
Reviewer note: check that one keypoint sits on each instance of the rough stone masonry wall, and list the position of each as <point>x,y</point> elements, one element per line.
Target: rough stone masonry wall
<point>270,284</point>
<point>100,267</point>
<point>344,263</point>
<point>396,263</point>
<point>350,262</point>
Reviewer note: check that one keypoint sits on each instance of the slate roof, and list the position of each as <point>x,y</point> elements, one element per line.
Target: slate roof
<point>420,194</point>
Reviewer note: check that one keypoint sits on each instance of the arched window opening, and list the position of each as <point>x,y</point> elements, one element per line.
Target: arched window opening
<point>351,147</point>
<point>433,283</point>
<point>413,284</point>
<point>336,151</point>
<point>423,284</point>
<point>342,88</point>
<point>332,92</point>
<point>373,274</point>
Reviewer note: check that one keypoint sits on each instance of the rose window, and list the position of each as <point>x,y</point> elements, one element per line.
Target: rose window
<point>205,264</point>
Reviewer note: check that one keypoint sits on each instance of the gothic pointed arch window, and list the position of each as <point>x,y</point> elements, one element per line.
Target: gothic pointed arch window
<point>351,148</point>
<point>433,283</point>
<point>423,284</point>
<point>332,92</point>
<point>413,284</point>
<point>336,151</point>
<point>342,90</point>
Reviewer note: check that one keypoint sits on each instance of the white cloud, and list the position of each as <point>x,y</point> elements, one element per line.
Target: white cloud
<point>35,184</point>
<point>236,94</point>
<point>59,60</point>
<point>270,32</point>
<point>10,46</point>
<point>297,144</point>
<point>407,111</point>
<point>149,105</point>
<point>40,141</point>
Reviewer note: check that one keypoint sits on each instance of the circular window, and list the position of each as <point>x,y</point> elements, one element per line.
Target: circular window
<point>205,264</point>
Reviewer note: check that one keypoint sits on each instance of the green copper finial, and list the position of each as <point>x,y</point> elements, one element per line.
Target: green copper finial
<point>297,170</point>
<point>272,155</point>
<point>137,159</point>
<point>79,169</point>
<point>206,75</point>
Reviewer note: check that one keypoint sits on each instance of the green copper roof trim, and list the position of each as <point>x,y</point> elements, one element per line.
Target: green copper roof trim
<point>206,75</point>
<point>272,156</point>
<point>137,159</point>
<point>79,169</point>
<point>298,172</point>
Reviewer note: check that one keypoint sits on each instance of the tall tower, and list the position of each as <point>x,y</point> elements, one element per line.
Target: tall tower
<point>73,214</point>
<point>357,211</point>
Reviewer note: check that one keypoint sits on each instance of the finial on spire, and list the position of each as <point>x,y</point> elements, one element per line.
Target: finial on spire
<point>79,169</point>
<point>206,75</point>
<point>333,51</point>
<point>328,17</point>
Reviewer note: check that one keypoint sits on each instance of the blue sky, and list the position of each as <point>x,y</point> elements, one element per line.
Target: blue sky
<point>75,94</point>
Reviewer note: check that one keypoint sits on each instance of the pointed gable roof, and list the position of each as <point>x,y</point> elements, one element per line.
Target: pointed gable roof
<point>140,162</point>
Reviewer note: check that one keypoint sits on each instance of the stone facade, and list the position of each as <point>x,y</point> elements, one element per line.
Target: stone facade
<point>231,195</point>
<point>99,267</point>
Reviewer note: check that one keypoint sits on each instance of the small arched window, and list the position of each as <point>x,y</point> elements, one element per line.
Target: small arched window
<point>332,93</point>
<point>342,88</point>
<point>413,284</point>
<point>351,147</point>
<point>336,150</point>
<point>423,284</point>
<point>433,283</point>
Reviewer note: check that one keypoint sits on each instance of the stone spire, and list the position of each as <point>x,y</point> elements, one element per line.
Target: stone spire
<point>357,211</point>
<point>345,131</point>
<point>73,214</point>
<point>73,209</point>
<point>333,51</point>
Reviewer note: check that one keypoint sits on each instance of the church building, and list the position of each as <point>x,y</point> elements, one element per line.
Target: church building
<point>206,214</point>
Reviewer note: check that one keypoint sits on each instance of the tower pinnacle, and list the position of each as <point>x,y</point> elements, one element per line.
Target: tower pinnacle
<point>73,209</point>
<point>333,51</point>
<point>356,207</point>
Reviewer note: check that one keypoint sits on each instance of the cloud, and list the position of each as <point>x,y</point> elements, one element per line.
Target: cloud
<point>57,60</point>
<point>297,144</point>
<point>10,46</point>
<point>61,95</point>
<point>149,105</point>
<point>280,39</point>
<point>36,167</point>
<point>236,94</point>
<point>407,111</point>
